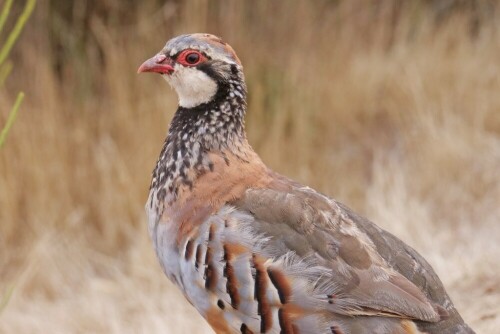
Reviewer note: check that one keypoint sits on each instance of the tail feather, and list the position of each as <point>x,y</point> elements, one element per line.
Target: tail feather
<point>453,324</point>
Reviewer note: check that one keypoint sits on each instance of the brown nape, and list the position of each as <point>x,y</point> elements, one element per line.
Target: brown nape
<point>230,50</point>
<point>212,39</point>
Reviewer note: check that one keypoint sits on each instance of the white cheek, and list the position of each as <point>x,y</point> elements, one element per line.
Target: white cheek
<point>193,86</point>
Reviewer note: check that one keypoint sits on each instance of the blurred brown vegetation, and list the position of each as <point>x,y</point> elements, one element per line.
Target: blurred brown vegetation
<point>389,106</point>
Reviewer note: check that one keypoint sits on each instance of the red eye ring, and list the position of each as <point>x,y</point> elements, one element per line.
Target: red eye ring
<point>190,58</point>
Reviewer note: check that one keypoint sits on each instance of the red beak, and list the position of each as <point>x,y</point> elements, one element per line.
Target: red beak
<point>159,64</point>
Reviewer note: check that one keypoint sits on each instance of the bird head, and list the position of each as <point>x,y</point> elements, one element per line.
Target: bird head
<point>197,66</point>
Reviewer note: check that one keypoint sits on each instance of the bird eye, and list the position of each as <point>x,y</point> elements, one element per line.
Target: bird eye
<point>190,58</point>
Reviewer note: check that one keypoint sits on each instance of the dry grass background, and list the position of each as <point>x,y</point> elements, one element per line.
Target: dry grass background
<point>392,108</point>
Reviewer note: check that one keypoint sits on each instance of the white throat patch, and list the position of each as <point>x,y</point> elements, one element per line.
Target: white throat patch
<point>193,86</point>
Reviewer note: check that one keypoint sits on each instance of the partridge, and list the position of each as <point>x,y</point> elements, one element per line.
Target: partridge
<point>255,252</point>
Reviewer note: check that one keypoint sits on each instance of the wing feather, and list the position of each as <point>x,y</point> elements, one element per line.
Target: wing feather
<point>319,235</point>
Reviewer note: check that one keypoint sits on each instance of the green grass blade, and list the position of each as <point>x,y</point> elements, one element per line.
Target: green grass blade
<point>11,118</point>
<point>5,300</point>
<point>4,72</point>
<point>14,34</point>
<point>5,13</point>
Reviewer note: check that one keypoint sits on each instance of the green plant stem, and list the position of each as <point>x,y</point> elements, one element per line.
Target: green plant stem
<point>18,27</point>
<point>5,13</point>
<point>11,118</point>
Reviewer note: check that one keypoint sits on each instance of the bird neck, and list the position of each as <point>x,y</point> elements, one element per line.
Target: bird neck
<point>213,127</point>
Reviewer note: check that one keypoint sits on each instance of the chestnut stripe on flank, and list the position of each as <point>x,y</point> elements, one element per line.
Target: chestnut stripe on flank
<point>232,283</point>
<point>281,284</point>
<point>245,330</point>
<point>285,322</point>
<point>263,307</point>
<point>188,252</point>
<point>211,232</point>
<point>336,330</point>
<point>210,274</point>
<point>198,256</point>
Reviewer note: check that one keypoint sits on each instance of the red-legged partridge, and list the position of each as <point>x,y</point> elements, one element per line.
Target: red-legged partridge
<point>256,252</point>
